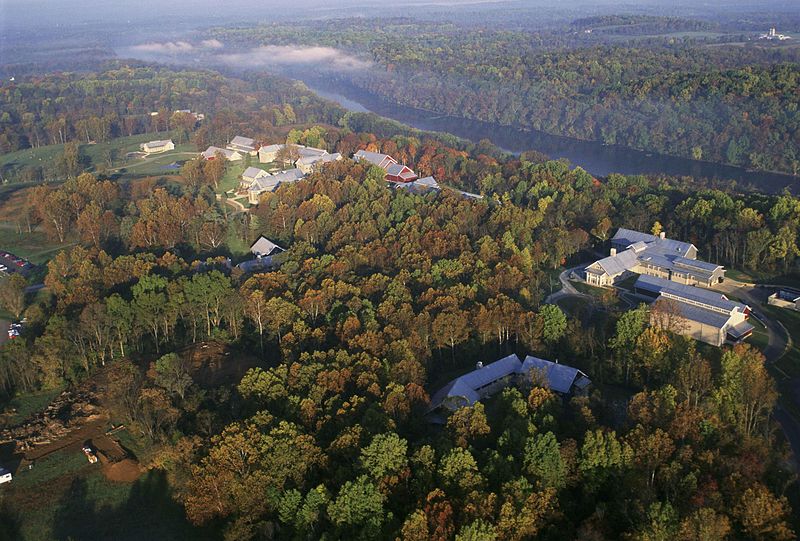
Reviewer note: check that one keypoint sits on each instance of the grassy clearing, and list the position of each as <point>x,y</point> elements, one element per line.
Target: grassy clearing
<point>235,244</point>
<point>167,163</point>
<point>589,290</point>
<point>28,404</point>
<point>45,470</point>
<point>65,497</point>
<point>789,363</point>
<point>47,155</point>
<point>233,175</point>
<point>35,246</point>
<point>759,338</point>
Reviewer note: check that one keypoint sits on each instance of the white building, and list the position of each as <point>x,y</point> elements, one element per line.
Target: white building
<point>269,153</point>
<point>773,35</point>
<point>785,299</point>
<point>307,157</point>
<point>5,476</point>
<point>707,316</point>
<point>250,175</point>
<point>381,160</point>
<point>307,164</point>
<point>264,247</point>
<point>270,183</point>
<point>243,145</point>
<point>634,252</point>
<point>156,147</point>
<point>230,155</point>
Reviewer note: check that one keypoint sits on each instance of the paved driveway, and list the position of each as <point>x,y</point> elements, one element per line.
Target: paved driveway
<point>776,346</point>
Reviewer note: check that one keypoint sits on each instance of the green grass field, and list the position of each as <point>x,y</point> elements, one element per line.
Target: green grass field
<point>97,154</point>
<point>789,363</point>
<point>30,403</point>
<point>35,246</point>
<point>759,339</point>
<point>233,176</point>
<point>65,497</point>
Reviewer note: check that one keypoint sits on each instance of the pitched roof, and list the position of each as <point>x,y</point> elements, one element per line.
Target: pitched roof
<point>263,246</point>
<point>212,151</point>
<point>627,237</point>
<point>695,264</point>
<point>428,182</point>
<point>740,330</point>
<point>560,377</point>
<point>270,148</point>
<point>615,264</point>
<point>157,144</point>
<point>381,160</point>
<point>310,152</point>
<point>244,142</point>
<point>702,315</point>
<point>467,386</point>
<point>254,172</point>
<point>688,294</point>
<point>420,185</point>
<point>290,175</point>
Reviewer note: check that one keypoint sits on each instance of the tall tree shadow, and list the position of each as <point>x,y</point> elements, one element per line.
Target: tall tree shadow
<point>149,512</point>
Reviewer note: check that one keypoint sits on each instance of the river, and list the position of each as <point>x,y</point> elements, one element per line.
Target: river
<point>594,157</point>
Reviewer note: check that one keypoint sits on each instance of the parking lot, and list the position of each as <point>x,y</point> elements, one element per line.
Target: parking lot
<point>10,263</point>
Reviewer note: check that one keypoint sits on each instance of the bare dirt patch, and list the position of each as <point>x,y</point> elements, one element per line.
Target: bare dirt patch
<point>124,471</point>
<point>213,363</point>
<point>74,416</point>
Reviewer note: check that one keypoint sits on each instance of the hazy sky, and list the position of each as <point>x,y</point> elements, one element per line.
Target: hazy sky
<point>127,22</point>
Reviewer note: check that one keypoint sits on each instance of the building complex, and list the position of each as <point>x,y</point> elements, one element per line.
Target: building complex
<point>633,252</point>
<point>486,380</point>
<point>702,314</point>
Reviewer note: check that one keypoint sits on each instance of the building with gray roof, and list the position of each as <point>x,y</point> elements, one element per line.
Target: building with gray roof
<point>244,145</point>
<point>702,314</point>
<point>375,158</point>
<point>634,252</point>
<point>211,154</point>
<point>270,183</point>
<point>486,380</point>
<point>560,378</point>
<point>250,175</point>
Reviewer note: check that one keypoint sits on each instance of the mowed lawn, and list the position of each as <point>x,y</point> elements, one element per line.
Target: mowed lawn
<point>789,363</point>
<point>47,156</point>
<point>65,497</point>
<point>36,247</point>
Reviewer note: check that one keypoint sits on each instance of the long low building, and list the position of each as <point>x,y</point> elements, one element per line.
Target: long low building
<point>243,145</point>
<point>231,155</point>
<point>156,147</point>
<point>633,252</point>
<point>707,316</point>
<point>486,380</point>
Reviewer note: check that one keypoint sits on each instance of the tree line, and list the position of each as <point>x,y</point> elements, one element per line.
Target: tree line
<point>381,297</point>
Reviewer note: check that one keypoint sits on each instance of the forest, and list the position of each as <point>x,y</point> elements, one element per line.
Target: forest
<point>121,98</point>
<point>710,101</point>
<point>380,298</point>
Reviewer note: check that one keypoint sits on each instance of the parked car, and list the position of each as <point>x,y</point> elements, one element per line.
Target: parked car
<point>5,476</point>
<point>90,455</point>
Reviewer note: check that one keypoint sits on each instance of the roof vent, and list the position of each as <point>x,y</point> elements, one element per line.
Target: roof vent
<point>662,235</point>
<point>479,365</point>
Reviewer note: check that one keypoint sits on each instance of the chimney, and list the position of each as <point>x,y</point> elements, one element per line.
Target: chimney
<point>613,252</point>
<point>662,235</point>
